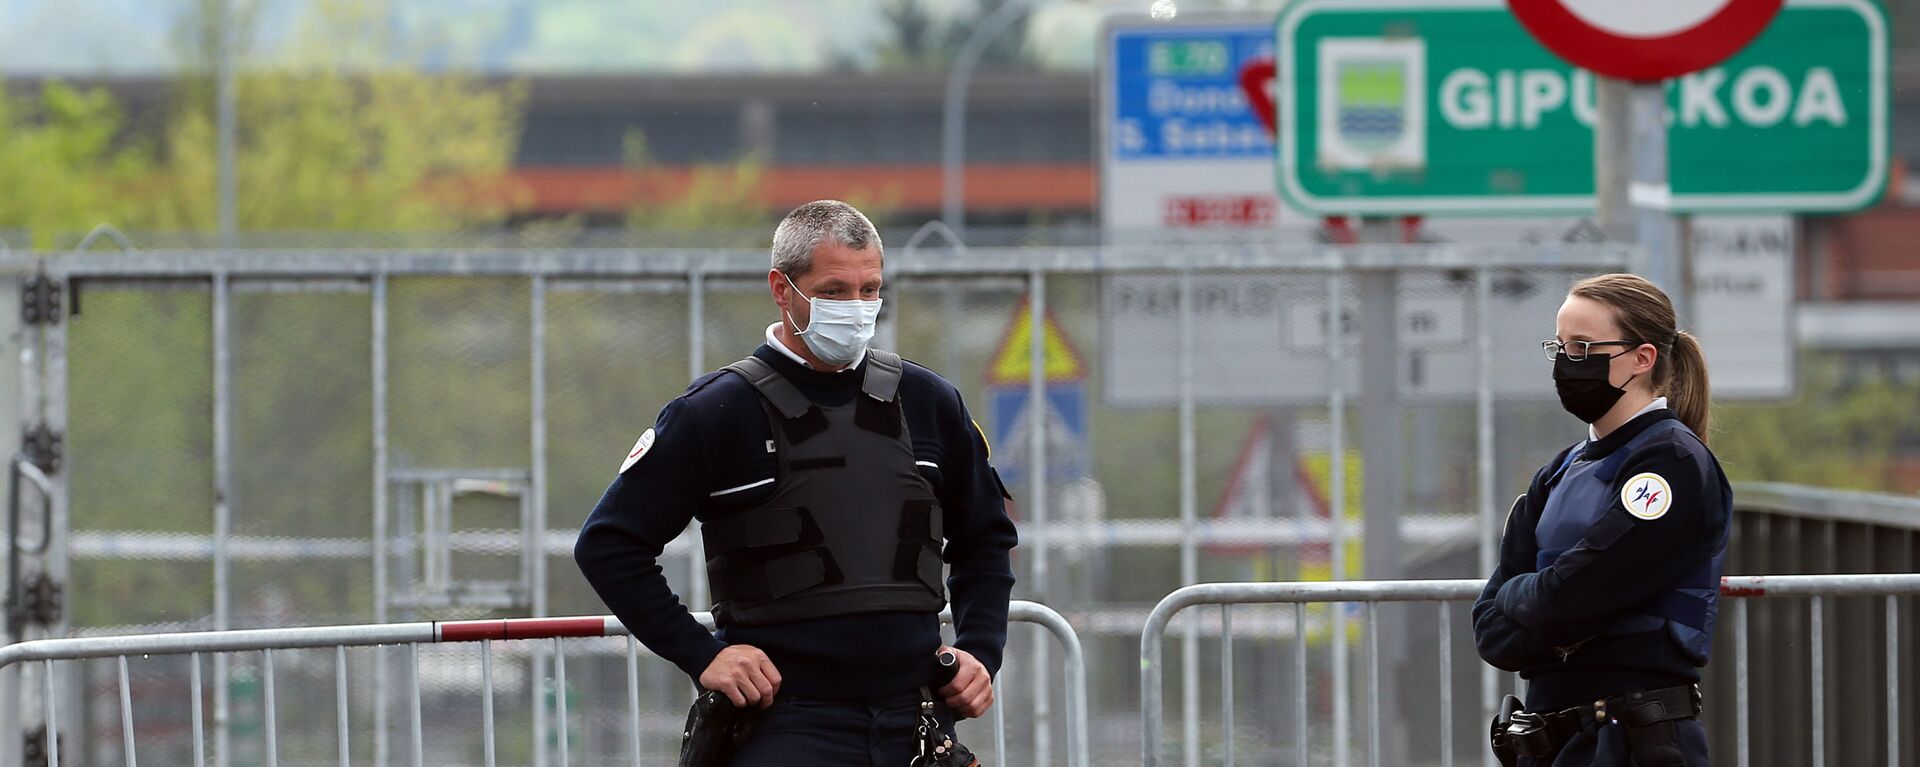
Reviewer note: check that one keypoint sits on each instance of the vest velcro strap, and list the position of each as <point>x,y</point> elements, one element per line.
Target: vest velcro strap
<point>918,555</point>
<point>919,561</point>
<point>809,425</point>
<point>884,369</point>
<point>756,529</point>
<point>920,521</point>
<point>785,397</point>
<point>773,578</point>
<point>879,417</point>
<point>795,572</point>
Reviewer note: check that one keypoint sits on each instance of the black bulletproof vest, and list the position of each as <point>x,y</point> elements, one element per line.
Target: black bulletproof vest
<point>851,526</point>
<point>1582,492</point>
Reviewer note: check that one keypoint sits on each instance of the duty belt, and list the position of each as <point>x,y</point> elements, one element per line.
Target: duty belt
<point>1543,735</point>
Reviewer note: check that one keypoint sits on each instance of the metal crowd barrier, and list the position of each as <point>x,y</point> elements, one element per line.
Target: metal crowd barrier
<point>1816,588</point>
<point>411,636</point>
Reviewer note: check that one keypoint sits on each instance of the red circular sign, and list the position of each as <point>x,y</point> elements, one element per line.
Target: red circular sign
<point>1639,54</point>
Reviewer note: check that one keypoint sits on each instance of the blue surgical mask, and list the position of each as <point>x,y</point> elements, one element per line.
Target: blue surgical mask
<point>837,331</point>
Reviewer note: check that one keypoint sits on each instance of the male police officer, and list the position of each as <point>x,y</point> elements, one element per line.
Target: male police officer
<point>825,475</point>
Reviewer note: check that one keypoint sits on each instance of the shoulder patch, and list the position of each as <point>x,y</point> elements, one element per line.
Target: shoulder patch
<point>1647,496</point>
<point>640,448</point>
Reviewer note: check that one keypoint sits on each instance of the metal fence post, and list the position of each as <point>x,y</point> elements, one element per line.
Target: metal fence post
<point>1302,736</point>
<point>1337,513</point>
<point>341,720</point>
<point>416,725</point>
<point>1446,685</point>
<point>17,412</point>
<point>199,725</point>
<point>55,400</point>
<point>1893,688</point>
<point>1817,644</point>
<point>560,698</point>
<point>1743,734</point>
<point>126,714</point>
<point>1226,679</point>
<point>537,354</point>
<point>381,589</point>
<point>486,704</point>
<point>222,503</point>
<point>538,307</point>
<point>1038,486</point>
<point>1491,522</point>
<point>697,597</point>
<point>270,718</point>
<point>633,702</point>
<point>52,706</point>
<point>1189,513</point>
<point>1373,684</point>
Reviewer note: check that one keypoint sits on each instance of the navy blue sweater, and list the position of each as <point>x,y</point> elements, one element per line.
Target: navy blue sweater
<point>710,456</point>
<point>1525,614</point>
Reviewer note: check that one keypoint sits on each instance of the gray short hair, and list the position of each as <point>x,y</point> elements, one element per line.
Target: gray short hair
<point>811,224</point>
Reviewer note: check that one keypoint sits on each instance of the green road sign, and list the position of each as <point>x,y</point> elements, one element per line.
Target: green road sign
<point>1449,106</point>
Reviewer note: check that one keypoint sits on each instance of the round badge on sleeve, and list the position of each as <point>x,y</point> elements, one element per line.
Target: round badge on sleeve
<point>1647,496</point>
<point>639,451</point>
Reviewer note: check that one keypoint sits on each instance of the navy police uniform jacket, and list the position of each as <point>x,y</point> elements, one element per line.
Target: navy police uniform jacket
<point>710,452</point>
<point>1609,571</point>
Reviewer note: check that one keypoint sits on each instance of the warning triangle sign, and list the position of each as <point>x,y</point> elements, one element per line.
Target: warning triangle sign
<point>1013,363</point>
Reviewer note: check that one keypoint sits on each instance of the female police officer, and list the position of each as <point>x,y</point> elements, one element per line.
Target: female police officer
<point>1605,594</point>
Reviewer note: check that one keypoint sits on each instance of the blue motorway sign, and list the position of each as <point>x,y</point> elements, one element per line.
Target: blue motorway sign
<point>1176,91</point>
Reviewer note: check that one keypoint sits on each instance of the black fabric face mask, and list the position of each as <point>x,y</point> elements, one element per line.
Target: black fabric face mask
<point>1583,386</point>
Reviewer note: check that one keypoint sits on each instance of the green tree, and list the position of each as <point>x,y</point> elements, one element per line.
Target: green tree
<point>718,204</point>
<point>330,150</point>
<point>324,143</point>
<point>717,198</point>
<point>1840,431</point>
<point>64,145</point>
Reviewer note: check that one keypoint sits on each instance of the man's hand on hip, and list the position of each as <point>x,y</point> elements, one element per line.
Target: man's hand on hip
<point>970,693</point>
<point>745,675</point>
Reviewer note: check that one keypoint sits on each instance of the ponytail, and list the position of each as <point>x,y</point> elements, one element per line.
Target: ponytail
<point>1688,392</point>
<point>1644,312</point>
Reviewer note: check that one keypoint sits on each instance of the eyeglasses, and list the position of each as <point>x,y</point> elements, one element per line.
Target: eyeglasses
<point>1578,350</point>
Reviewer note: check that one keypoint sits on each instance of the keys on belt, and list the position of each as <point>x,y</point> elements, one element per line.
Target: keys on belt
<point>933,747</point>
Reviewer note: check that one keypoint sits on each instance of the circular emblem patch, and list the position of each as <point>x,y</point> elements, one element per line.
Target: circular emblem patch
<point>1647,496</point>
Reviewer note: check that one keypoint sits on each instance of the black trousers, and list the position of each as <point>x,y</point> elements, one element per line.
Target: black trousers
<point>1679,743</point>
<point>804,732</point>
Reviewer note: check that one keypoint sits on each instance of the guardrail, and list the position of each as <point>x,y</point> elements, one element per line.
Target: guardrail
<point>411,636</point>
<point>1817,588</point>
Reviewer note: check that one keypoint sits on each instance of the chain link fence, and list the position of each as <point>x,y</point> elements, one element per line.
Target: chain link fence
<point>417,435</point>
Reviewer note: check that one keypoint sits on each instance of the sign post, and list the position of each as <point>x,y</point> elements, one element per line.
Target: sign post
<point>1649,194</point>
<point>1062,405</point>
<point>1643,42</point>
